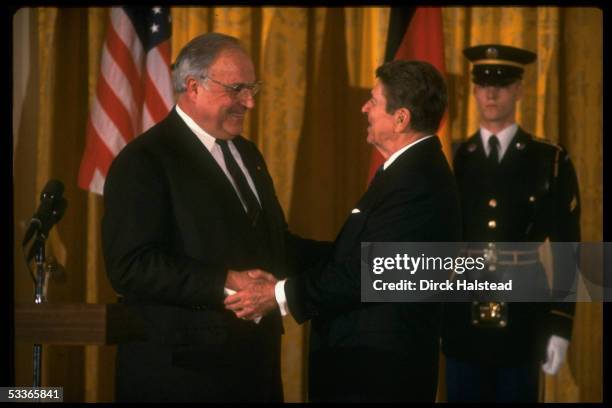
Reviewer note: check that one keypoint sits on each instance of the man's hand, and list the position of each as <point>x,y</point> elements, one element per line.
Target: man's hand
<point>239,280</point>
<point>256,298</point>
<point>555,354</point>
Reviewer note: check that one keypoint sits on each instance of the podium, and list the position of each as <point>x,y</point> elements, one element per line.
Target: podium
<point>77,324</point>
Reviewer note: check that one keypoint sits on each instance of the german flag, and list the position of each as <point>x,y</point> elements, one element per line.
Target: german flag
<point>415,33</point>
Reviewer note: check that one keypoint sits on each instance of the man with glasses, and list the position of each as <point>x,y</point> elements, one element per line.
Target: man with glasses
<point>188,204</point>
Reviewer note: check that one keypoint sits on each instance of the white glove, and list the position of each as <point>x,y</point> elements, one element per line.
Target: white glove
<point>555,354</point>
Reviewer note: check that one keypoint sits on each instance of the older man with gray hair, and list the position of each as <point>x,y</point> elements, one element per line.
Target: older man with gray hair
<point>187,205</point>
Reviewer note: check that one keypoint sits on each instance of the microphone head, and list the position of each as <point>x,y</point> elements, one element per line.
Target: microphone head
<point>58,210</point>
<point>53,217</point>
<point>50,210</point>
<point>53,190</point>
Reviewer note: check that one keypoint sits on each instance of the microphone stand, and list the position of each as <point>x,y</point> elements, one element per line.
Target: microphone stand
<point>49,212</point>
<point>39,298</point>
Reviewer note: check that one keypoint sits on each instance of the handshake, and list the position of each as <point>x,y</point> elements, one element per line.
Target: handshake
<point>252,293</point>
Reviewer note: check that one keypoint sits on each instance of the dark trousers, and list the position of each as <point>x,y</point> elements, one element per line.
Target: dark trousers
<point>158,373</point>
<point>367,374</point>
<point>468,381</point>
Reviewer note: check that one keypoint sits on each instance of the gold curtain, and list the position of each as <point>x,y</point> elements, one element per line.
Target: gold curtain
<point>317,65</point>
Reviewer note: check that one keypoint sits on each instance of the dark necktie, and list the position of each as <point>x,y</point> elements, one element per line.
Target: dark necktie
<point>245,192</point>
<point>493,151</point>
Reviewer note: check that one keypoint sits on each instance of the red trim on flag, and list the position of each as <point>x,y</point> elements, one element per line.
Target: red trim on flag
<point>124,59</point>
<point>424,38</point>
<point>96,155</point>
<point>164,51</point>
<point>153,100</point>
<point>115,109</point>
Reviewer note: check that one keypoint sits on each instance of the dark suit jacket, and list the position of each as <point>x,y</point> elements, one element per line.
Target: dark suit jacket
<point>389,351</point>
<point>173,225</point>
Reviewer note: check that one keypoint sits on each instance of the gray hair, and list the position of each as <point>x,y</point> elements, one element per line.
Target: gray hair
<point>196,57</point>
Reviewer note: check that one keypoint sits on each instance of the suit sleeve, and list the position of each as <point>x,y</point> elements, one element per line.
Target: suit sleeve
<point>139,241</point>
<point>301,254</point>
<point>566,229</point>
<point>336,285</point>
<point>304,254</point>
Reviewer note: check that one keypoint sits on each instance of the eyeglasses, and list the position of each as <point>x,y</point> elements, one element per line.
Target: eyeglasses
<point>237,90</point>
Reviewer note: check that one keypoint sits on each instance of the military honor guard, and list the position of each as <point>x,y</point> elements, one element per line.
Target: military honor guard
<point>514,187</point>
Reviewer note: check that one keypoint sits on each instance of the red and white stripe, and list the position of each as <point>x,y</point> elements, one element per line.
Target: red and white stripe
<point>134,91</point>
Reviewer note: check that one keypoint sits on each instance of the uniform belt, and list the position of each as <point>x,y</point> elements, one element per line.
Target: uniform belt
<point>504,257</point>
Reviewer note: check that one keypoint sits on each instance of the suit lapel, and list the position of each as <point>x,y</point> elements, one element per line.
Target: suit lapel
<point>475,149</point>
<point>385,183</point>
<point>255,169</point>
<point>354,224</point>
<point>203,165</point>
<point>479,150</point>
<point>513,159</point>
<point>411,157</point>
<point>265,191</point>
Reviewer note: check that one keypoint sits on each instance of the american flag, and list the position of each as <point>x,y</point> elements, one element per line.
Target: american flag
<point>134,89</point>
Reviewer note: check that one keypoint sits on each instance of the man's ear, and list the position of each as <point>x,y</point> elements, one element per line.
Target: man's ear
<point>191,85</point>
<point>401,119</point>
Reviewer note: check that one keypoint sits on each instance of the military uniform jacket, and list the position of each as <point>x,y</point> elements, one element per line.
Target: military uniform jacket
<point>532,195</point>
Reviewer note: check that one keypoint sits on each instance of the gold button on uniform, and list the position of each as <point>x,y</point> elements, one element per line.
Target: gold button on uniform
<point>492,224</point>
<point>492,203</point>
<point>531,199</point>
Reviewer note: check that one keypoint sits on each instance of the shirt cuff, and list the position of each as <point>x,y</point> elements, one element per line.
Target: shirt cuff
<point>229,292</point>
<point>281,299</point>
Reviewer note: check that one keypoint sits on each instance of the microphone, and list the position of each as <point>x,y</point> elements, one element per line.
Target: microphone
<point>50,210</point>
<point>56,214</point>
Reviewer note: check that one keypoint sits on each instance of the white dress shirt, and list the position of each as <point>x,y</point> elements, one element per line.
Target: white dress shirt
<point>397,154</point>
<point>215,150</point>
<point>504,137</point>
